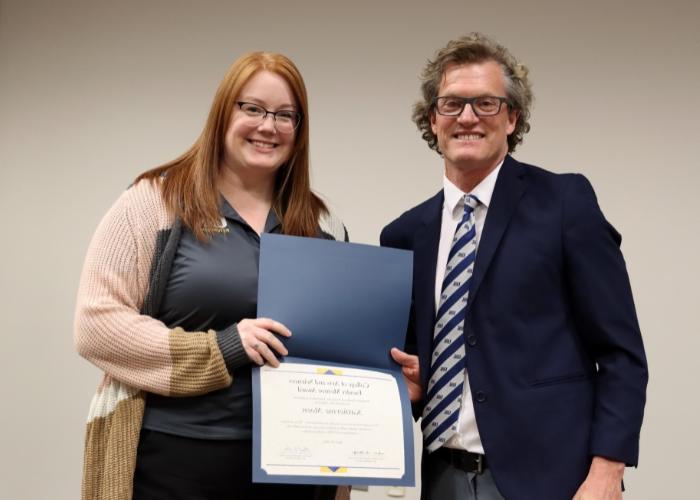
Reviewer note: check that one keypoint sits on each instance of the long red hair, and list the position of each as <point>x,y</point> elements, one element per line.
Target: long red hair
<point>189,182</point>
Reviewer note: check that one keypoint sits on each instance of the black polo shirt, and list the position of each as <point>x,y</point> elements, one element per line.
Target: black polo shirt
<point>212,285</point>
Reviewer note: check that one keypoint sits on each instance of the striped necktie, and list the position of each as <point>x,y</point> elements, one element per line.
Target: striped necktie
<point>447,366</point>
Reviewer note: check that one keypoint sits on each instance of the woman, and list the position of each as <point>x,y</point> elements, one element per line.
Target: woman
<point>167,299</point>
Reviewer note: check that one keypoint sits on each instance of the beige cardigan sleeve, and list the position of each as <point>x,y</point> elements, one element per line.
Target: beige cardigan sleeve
<point>110,332</point>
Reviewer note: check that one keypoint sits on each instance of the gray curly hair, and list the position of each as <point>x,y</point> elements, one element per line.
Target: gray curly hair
<point>475,48</point>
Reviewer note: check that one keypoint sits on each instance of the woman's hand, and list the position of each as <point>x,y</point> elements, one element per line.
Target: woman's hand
<point>259,339</point>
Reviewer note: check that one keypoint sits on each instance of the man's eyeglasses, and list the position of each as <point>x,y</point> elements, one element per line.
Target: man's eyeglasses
<point>286,120</point>
<point>481,106</point>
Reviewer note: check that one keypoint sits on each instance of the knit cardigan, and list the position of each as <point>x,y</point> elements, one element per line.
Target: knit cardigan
<point>124,276</point>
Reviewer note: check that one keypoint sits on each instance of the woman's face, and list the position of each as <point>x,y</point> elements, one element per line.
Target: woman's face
<point>252,142</point>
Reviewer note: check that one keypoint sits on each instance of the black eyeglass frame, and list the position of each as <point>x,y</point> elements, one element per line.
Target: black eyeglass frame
<point>470,101</point>
<point>274,114</point>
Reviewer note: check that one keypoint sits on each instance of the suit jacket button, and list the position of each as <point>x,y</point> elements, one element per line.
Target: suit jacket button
<point>480,396</point>
<point>471,340</point>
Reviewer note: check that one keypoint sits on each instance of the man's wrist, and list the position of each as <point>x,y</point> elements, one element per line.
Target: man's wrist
<point>607,466</point>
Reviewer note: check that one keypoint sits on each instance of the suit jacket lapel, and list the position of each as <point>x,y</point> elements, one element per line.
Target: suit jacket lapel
<point>425,252</point>
<point>510,186</point>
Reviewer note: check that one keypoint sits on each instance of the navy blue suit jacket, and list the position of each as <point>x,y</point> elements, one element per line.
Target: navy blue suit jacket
<point>554,353</point>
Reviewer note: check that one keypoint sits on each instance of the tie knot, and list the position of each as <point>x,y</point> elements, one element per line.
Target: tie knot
<point>470,203</point>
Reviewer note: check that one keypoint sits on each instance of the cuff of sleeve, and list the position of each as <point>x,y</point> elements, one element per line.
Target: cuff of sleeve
<point>231,348</point>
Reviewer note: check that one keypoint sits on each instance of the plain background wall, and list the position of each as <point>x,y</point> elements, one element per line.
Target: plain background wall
<point>92,93</point>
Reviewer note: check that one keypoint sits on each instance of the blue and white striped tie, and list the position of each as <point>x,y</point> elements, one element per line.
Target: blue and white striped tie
<point>447,366</point>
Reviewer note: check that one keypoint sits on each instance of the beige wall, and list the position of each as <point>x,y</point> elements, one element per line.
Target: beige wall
<point>92,93</point>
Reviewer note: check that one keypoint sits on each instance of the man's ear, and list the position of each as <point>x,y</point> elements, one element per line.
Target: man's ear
<point>432,120</point>
<point>513,116</point>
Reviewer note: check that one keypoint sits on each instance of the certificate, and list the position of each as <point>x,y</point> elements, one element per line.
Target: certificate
<point>336,421</point>
<point>338,411</point>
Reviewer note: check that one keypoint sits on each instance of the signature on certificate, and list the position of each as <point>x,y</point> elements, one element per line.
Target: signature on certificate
<point>363,455</point>
<point>297,452</point>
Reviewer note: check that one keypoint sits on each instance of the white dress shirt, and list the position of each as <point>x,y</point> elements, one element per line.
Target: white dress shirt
<point>467,436</point>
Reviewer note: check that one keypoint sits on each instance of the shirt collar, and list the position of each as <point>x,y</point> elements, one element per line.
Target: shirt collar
<point>225,208</point>
<point>483,191</point>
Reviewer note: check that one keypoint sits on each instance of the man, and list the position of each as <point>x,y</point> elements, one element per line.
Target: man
<point>530,373</point>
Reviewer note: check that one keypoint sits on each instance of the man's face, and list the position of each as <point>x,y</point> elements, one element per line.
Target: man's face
<point>473,145</point>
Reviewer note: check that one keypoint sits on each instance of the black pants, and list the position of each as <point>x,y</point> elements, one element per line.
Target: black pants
<point>178,468</point>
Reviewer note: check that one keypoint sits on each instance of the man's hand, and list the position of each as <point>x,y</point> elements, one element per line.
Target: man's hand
<point>411,372</point>
<point>604,481</point>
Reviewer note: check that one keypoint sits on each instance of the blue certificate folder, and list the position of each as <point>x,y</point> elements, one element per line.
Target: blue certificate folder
<point>346,305</point>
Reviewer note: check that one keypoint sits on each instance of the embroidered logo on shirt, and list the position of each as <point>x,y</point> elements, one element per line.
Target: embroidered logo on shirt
<point>222,228</point>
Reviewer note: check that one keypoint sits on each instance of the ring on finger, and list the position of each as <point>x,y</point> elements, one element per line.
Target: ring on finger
<point>256,345</point>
